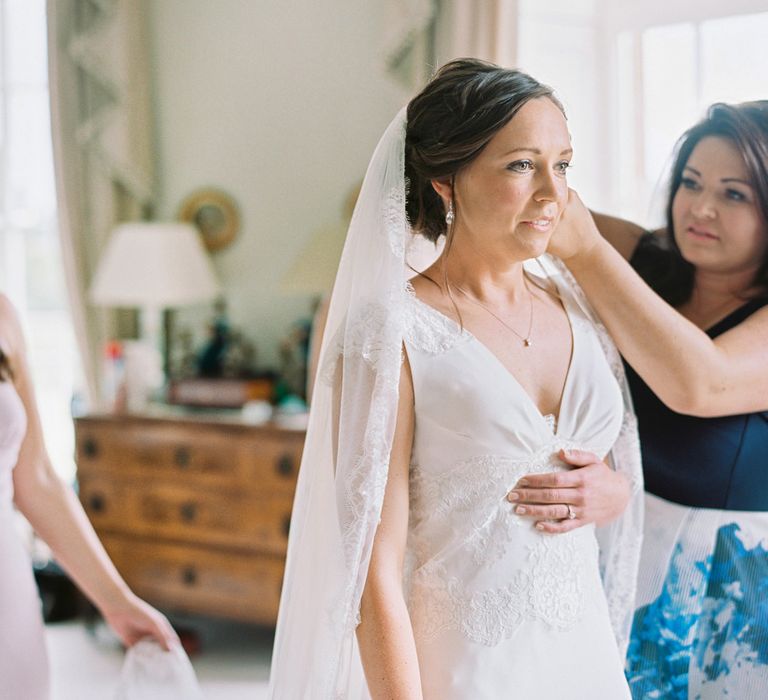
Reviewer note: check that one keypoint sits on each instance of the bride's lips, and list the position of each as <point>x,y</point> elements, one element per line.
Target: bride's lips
<point>701,234</point>
<point>542,223</point>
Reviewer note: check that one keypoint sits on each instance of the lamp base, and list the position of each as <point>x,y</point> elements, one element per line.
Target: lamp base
<point>143,374</point>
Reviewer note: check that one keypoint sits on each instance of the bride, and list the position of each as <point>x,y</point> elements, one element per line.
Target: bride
<point>411,573</point>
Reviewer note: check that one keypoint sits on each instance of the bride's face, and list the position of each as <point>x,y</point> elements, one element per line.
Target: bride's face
<point>510,198</point>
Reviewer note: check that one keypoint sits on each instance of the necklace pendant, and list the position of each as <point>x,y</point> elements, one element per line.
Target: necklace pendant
<point>527,342</point>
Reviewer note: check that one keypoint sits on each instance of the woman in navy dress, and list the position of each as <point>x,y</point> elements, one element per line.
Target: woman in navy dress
<point>692,323</point>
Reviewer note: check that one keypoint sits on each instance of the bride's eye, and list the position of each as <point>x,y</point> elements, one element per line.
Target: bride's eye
<point>521,166</point>
<point>562,167</point>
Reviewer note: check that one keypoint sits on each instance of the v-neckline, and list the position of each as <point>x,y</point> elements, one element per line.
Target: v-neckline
<point>495,358</point>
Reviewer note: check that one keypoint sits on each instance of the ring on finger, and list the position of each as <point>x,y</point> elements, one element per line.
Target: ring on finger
<point>571,512</point>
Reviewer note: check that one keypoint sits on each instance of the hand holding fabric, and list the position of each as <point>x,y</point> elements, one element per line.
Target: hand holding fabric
<point>132,620</point>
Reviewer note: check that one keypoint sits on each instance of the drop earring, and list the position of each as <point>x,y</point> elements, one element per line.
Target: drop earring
<point>449,216</point>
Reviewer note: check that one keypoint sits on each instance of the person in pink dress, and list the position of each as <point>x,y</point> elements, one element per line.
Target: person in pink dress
<point>29,483</point>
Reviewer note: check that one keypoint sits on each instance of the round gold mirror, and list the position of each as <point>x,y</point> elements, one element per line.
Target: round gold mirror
<point>215,214</point>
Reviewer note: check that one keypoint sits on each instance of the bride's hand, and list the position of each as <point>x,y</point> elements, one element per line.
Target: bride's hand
<point>595,493</point>
<point>576,231</point>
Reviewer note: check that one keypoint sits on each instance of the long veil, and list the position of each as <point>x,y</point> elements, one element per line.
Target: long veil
<point>346,455</point>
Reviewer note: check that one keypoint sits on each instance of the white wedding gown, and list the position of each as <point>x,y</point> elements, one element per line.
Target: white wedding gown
<point>499,609</point>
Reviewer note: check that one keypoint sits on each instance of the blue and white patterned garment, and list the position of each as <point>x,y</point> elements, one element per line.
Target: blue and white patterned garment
<point>701,627</point>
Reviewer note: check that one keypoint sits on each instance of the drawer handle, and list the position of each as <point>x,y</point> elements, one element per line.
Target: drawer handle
<point>188,512</point>
<point>97,503</point>
<point>90,448</point>
<point>189,576</point>
<point>181,457</point>
<point>284,466</point>
<point>286,525</point>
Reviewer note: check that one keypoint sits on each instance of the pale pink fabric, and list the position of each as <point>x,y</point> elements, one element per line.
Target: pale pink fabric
<point>23,657</point>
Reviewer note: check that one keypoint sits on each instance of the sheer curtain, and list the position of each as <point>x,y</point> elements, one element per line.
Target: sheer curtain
<point>98,58</point>
<point>484,29</point>
<point>31,273</point>
<point>421,35</point>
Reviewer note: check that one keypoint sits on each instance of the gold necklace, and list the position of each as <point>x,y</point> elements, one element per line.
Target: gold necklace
<point>527,342</point>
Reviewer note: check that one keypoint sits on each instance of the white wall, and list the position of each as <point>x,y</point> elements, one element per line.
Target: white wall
<point>280,104</point>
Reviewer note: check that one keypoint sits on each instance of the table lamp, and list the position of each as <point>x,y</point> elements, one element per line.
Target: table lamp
<point>152,266</point>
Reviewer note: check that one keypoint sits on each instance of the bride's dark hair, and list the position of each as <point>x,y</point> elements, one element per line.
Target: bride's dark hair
<point>450,121</point>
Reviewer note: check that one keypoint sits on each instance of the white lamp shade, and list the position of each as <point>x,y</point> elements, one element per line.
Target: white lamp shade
<point>153,265</point>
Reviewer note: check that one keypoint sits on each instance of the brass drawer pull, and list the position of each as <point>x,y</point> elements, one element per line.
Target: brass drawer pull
<point>90,448</point>
<point>97,503</point>
<point>284,466</point>
<point>181,457</point>
<point>188,512</point>
<point>189,576</point>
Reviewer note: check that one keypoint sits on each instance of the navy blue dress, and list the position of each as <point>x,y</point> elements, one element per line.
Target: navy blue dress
<point>701,626</point>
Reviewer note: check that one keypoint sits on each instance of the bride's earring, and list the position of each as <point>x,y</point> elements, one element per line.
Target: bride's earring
<point>449,216</point>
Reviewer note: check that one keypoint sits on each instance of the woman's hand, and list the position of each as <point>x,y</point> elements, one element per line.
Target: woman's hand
<point>132,619</point>
<point>576,231</point>
<point>595,493</point>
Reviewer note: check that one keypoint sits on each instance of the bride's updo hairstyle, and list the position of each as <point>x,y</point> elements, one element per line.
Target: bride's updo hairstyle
<point>449,122</point>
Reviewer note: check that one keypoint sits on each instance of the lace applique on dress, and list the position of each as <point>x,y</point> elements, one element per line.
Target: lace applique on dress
<point>472,494</point>
<point>551,420</point>
<point>547,587</point>
<point>427,329</point>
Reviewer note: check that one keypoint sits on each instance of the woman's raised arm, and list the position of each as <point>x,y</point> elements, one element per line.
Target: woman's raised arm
<point>686,369</point>
<point>623,235</point>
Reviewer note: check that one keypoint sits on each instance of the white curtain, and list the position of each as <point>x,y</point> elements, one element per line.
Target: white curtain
<point>484,29</point>
<point>98,59</point>
<point>421,35</point>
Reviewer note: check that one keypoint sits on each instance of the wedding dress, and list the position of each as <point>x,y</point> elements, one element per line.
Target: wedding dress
<point>499,609</point>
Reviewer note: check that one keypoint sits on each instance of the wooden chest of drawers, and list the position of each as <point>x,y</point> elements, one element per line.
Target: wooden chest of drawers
<point>194,513</point>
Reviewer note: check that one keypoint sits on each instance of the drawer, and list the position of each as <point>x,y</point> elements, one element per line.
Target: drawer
<point>228,518</point>
<point>272,464</point>
<point>198,580</point>
<point>148,451</point>
<point>205,455</point>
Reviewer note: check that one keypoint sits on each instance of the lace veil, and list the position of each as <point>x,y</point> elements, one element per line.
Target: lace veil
<point>346,455</point>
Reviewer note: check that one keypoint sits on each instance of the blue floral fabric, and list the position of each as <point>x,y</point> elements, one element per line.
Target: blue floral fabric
<point>706,634</point>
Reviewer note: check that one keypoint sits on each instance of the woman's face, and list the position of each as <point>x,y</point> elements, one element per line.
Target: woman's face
<point>718,226</point>
<point>510,198</point>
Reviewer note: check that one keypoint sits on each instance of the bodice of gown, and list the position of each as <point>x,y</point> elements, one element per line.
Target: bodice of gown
<point>476,567</point>
<point>12,428</point>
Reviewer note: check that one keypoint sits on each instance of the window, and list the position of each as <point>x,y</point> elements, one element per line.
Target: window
<point>31,271</point>
<point>668,75</point>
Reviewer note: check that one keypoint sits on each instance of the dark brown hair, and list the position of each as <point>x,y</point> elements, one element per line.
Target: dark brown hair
<point>746,127</point>
<point>449,122</point>
<point>5,367</point>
